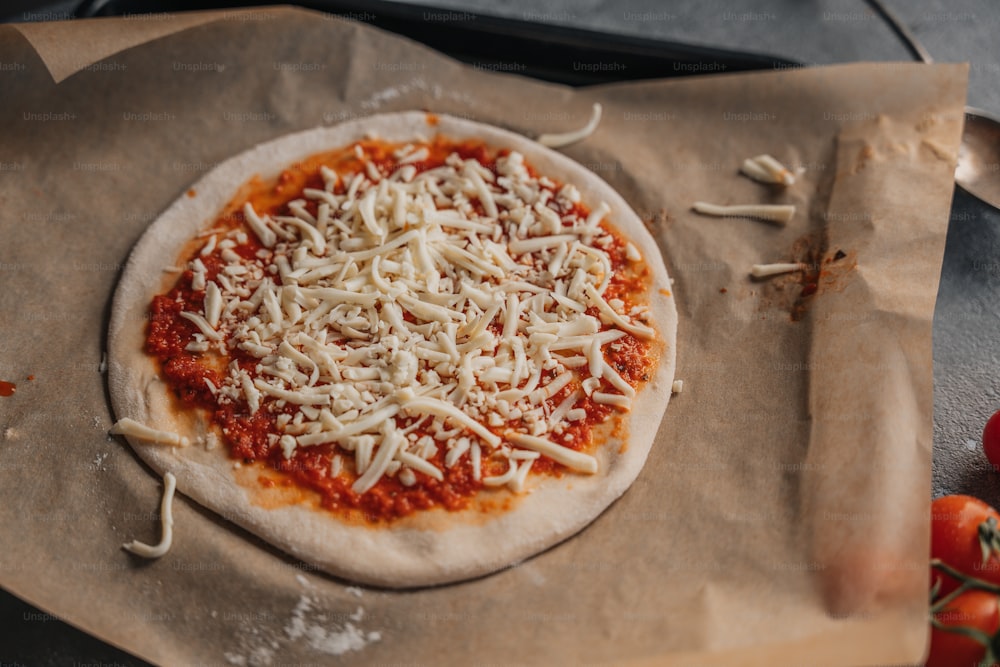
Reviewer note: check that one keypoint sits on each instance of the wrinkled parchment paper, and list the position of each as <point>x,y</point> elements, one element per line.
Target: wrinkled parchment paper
<point>782,516</point>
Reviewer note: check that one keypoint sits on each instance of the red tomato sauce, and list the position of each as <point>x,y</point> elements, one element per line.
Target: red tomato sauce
<point>246,435</point>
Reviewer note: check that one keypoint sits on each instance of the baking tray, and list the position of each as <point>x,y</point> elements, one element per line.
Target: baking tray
<point>544,51</point>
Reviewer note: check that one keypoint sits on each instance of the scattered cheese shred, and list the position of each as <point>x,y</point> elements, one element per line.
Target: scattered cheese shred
<point>765,270</point>
<point>259,227</point>
<point>566,138</point>
<point>616,400</point>
<point>780,213</point>
<point>517,484</point>
<point>202,324</point>
<point>766,169</point>
<point>505,478</point>
<point>213,304</point>
<point>677,387</point>
<point>564,455</point>
<point>131,428</point>
<point>386,451</point>
<point>442,409</point>
<point>597,300</point>
<point>166,523</point>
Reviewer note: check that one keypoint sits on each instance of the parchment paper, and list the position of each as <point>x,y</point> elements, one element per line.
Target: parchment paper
<point>782,516</point>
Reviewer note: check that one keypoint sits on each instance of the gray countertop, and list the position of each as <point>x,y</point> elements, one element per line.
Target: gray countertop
<point>966,351</point>
<point>812,31</point>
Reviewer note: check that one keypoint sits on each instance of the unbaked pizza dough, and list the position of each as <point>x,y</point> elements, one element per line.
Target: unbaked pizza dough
<point>426,548</point>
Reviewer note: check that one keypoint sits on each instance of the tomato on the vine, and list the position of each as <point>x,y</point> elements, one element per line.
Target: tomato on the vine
<point>991,440</point>
<point>965,534</point>
<point>972,609</point>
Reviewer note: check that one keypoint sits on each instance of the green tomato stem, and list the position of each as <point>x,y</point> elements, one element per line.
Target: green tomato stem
<point>989,539</point>
<point>972,633</point>
<point>950,597</point>
<point>964,578</point>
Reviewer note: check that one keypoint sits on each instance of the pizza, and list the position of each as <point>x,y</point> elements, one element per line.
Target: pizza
<point>408,349</point>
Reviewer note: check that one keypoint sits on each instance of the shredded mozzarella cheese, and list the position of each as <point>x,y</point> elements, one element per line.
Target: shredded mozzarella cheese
<point>397,299</point>
<point>765,270</point>
<point>131,428</point>
<point>166,523</point>
<point>566,138</point>
<point>766,169</point>
<point>780,213</point>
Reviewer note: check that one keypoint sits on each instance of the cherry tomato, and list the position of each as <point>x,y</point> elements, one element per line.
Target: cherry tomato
<point>959,530</point>
<point>974,609</point>
<point>991,440</point>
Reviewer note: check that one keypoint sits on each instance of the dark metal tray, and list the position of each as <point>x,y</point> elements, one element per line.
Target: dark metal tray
<point>545,51</point>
